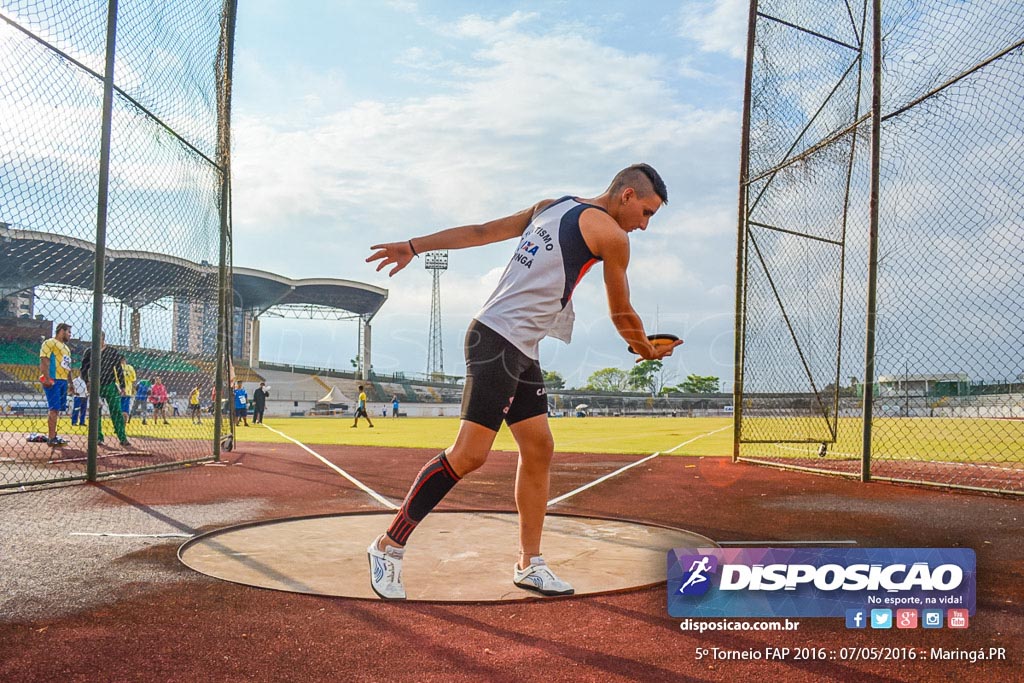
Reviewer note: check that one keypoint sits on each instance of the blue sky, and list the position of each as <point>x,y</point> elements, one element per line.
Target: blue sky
<point>357,123</point>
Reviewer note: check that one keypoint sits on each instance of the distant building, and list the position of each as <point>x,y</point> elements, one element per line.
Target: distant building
<point>18,305</point>
<point>27,329</point>
<point>949,384</point>
<point>195,329</point>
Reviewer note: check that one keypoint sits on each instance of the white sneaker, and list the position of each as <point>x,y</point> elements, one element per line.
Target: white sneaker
<point>386,571</point>
<point>539,577</point>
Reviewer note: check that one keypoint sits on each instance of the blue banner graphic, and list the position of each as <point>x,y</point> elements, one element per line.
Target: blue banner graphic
<point>818,582</point>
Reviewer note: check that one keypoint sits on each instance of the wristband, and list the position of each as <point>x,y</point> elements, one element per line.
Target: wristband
<point>413,249</point>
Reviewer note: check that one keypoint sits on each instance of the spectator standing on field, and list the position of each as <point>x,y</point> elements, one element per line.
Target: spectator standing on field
<point>394,405</point>
<point>158,397</point>
<point>111,387</point>
<point>142,389</point>
<point>361,409</point>
<point>80,404</point>
<point>241,404</point>
<point>129,389</point>
<point>193,406</point>
<point>259,403</point>
<point>54,370</point>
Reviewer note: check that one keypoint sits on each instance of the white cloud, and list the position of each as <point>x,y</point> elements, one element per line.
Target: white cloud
<point>421,59</point>
<point>475,26</point>
<point>407,6</point>
<point>717,26</point>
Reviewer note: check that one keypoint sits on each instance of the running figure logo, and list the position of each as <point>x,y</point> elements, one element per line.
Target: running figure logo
<point>697,581</point>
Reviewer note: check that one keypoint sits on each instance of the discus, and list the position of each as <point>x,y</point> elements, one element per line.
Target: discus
<point>658,340</point>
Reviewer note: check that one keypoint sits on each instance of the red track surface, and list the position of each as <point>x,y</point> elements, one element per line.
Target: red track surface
<point>206,629</point>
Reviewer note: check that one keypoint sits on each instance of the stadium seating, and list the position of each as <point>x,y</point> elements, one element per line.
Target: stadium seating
<point>19,371</point>
<point>244,373</point>
<point>22,373</point>
<point>153,361</point>
<point>19,368</point>
<point>12,384</point>
<point>19,352</point>
<point>295,386</point>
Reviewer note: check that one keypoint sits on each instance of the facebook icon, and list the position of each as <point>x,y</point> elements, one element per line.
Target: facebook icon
<point>855,618</point>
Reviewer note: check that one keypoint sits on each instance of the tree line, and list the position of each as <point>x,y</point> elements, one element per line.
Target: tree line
<point>649,376</point>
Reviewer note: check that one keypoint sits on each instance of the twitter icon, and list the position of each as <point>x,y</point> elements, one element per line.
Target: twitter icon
<point>881,618</point>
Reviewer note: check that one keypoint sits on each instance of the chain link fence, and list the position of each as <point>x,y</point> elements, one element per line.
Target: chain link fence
<point>129,192</point>
<point>920,309</point>
<point>572,403</point>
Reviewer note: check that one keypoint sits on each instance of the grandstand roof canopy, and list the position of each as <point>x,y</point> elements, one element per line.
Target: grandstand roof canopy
<point>260,290</point>
<point>30,259</point>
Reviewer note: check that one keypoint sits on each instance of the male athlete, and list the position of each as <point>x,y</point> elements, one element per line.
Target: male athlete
<point>54,369</point>
<point>361,409</point>
<point>241,404</point>
<point>559,240</point>
<point>129,374</point>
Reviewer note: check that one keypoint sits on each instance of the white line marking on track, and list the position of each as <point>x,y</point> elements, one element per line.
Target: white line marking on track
<point>887,458</point>
<point>631,465</point>
<point>106,533</point>
<point>360,485</point>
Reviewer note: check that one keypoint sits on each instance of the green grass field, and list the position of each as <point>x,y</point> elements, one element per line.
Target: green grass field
<point>948,439</point>
<point>896,438</point>
<point>572,435</point>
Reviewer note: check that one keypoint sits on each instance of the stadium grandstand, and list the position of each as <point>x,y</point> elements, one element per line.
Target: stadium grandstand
<point>32,260</point>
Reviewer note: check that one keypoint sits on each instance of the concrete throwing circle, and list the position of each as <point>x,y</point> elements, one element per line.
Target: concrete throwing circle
<point>453,556</point>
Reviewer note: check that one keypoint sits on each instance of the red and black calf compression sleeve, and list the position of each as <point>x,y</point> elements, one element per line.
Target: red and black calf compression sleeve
<point>432,484</point>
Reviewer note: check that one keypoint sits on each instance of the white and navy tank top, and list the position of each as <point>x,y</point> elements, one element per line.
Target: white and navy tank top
<point>533,299</point>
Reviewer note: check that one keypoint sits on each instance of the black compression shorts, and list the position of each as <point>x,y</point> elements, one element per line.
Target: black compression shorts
<point>502,383</point>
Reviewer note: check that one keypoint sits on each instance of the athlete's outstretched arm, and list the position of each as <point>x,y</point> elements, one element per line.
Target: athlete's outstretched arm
<point>400,254</point>
<point>612,245</point>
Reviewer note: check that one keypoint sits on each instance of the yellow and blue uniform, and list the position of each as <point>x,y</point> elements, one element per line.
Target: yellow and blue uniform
<point>129,375</point>
<point>361,406</point>
<point>59,356</point>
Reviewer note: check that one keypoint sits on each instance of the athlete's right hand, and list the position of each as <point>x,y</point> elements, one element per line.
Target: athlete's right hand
<point>397,253</point>
<point>657,351</point>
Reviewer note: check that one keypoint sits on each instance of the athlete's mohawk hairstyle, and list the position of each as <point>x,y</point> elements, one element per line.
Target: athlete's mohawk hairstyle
<point>634,175</point>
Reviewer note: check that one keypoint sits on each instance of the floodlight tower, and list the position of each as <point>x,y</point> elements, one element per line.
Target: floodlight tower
<point>437,262</point>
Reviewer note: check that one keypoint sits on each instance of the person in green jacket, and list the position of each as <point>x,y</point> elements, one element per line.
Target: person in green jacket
<point>112,386</point>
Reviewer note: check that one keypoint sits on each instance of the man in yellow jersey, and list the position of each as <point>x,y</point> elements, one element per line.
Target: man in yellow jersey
<point>54,370</point>
<point>128,372</point>
<point>361,408</point>
<point>193,406</point>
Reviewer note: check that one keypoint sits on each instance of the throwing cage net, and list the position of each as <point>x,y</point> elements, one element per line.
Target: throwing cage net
<point>879,316</point>
<point>114,219</point>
